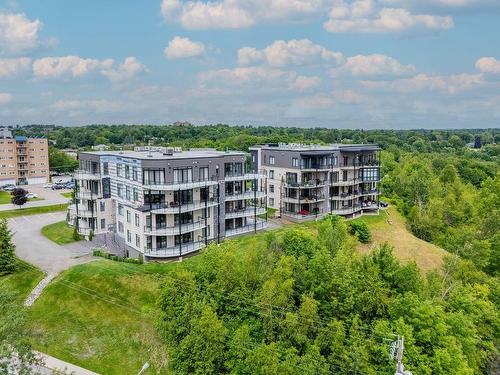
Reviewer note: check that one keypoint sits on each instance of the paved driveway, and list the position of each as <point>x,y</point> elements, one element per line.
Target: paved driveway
<point>34,248</point>
<point>49,196</point>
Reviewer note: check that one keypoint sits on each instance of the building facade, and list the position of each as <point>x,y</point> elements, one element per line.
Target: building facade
<point>309,181</point>
<point>167,204</point>
<point>23,160</point>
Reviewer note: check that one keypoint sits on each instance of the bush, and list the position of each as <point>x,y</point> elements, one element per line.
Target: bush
<point>361,231</point>
<point>116,258</point>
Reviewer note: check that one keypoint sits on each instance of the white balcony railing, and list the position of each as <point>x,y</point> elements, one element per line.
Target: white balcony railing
<point>249,211</point>
<point>245,195</point>
<point>184,185</point>
<point>243,177</point>
<point>174,230</point>
<point>83,211</point>
<point>86,175</point>
<point>175,251</point>
<point>175,208</point>
<point>259,225</point>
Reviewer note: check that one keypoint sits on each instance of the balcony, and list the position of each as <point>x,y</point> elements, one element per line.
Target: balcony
<point>309,199</point>
<point>175,229</point>
<point>87,194</point>
<point>175,251</point>
<point>83,211</point>
<point>349,182</point>
<point>303,215</point>
<point>245,195</point>
<point>244,212</point>
<point>243,177</point>
<point>87,175</point>
<point>183,185</point>
<point>175,208</point>
<point>306,185</point>
<point>259,225</point>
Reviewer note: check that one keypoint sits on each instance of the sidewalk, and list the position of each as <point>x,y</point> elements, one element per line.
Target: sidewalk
<point>57,365</point>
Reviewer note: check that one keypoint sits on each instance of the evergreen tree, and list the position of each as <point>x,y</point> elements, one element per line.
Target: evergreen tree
<point>7,250</point>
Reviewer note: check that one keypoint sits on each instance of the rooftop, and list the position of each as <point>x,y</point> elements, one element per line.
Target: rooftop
<point>155,155</point>
<point>316,147</point>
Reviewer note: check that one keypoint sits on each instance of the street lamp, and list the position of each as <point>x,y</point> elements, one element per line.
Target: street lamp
<point>144,368</point>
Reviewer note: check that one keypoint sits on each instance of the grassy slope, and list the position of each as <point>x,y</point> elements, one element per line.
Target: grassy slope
<point>33,210</point>
<point>22,282</point>
<point>60,233</point>
<point>407,247</point>
<point>104,321</point>
<point>5,197</point>
<point>68,194</point>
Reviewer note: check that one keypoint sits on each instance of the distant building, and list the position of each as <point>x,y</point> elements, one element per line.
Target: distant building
<point>310,181</point>
<point>182,123</point>
<point>167,204</point>
<point>71,152</point>
<point>23,160</point>
<point>100,147</point>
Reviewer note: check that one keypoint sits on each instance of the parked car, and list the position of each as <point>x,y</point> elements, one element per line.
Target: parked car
<point>70,185</point>
<point>8,187</point>
<point>31,195</point>
<point>58,187</point>
<point>48,186</point>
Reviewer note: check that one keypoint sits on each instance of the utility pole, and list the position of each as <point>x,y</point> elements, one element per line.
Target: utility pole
<point>397,349</point>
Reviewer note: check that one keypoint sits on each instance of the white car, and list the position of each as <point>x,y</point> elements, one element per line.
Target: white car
<point>47,186</point>
<point>31,195</point>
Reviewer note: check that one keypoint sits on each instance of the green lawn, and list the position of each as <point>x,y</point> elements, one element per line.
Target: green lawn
<point>68,194</point>
<point>22,282</point>
<point>101,316</point>
<point>5,197</point>
<point>60,233</point>
<point>33,210</point>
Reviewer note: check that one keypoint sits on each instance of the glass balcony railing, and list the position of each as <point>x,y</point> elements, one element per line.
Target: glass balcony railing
<point>175,251</point>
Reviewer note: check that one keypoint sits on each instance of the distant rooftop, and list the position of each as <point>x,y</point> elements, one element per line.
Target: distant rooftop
<point>168,154</point>
<point>316,147</point>
<point>5,133</point>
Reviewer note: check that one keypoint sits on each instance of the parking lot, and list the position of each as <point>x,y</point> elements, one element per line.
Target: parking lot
<point>49,197</point>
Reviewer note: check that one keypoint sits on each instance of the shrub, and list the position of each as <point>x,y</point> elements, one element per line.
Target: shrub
<point>116,258</point>
<point>361,231</point>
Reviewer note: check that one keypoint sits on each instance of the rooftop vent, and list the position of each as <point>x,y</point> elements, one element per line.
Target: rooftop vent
<point>169,151</point>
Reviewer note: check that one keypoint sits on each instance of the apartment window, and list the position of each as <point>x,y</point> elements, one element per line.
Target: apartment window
<point>119,190</point>
<point>127,192</point>
<point>346,160</point>
<point>102,206</point>
<point>271,188</point>
<point>136,220</point>
<point>203,173</point>
<point>370,174</point>
<point>128,216</point>
<point>103,223</point>
<point>344,175</point>
<point>271,174</point>
<point>183,196</point>
<point>119,170</point>
<point>135,175</point>
<point>135,194</point>
<point>153,176</point>
<point>206,231</point>
<point>120,209</point>
<point>105,168</point>
<point>205,213</point>
<point>137,240</point>
<point>183,175</point>
<point>271,160</point>
<point>295,162</point>
<point>127,172</point>
<point>120,227</point>
<point>271,201</point>
<point>129,236</point>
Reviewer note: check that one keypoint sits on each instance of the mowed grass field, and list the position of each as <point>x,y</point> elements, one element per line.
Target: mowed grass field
<point>60,233</point>
<point>101,316</point>
<point>33,210</point>
<point>5,197</point>
<point>22,282</point>
<point>389,226</point>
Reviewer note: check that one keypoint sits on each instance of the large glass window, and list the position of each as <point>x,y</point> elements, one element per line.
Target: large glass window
<point>154,176</point>
<point>370,174</point>
<point>204,174</point>
<point>182,175</point>
<point>183,196</point>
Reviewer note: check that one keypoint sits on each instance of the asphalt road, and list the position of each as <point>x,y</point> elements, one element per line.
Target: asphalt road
<point>34,248</point>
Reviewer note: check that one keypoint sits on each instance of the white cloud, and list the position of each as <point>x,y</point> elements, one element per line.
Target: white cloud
<point>488,65</point>
<point>180,47</point>
<point>10,67</point>
<point>18,33</point>
<point>451,84</point>
<point>373,65</point>
<point>5,97</point>
<point>363,16</point>
<point>235,14</point>
<point>98,105</point>
<point>327,100</point>
<point>281,53</point>
<point>125,71</point>
<point>243,75</point>
<point>303,83</point>
<point>75,66</point>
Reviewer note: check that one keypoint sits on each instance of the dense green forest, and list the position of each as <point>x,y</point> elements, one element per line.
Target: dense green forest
<point>307,303</point>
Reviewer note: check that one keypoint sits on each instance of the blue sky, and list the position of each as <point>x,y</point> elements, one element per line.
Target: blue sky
<point>334,63</point>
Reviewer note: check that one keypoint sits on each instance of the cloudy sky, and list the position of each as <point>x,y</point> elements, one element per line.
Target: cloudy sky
<point>335,63</point>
